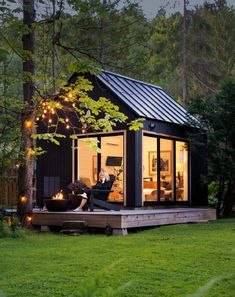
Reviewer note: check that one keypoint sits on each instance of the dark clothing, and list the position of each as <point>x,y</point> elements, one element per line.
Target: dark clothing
<point>99,186</point>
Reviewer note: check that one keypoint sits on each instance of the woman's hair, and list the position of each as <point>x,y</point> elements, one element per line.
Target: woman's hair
<point>105,174</point>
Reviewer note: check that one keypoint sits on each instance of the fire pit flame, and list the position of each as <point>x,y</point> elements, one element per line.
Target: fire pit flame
<point>58,196</point>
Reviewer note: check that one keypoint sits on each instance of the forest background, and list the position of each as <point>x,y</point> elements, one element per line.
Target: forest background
<point>190,53</point>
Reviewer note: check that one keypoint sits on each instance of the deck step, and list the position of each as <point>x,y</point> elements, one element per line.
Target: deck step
<point>72,231</point>
<point>67,225</point>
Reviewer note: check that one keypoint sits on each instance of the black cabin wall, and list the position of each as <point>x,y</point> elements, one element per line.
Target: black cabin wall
<point>199,192</point>
<point>167,129</point>
<point>57,162</point>
<point>134,169</point>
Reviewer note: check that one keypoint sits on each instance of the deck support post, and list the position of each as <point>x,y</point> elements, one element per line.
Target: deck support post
<point>121,231</point>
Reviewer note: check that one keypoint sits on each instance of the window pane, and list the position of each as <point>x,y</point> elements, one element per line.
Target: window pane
<point>112,161</point>
<point>87,161</point>
<point>181,171</point>
<point>166,170</point>
<point>149,168</point>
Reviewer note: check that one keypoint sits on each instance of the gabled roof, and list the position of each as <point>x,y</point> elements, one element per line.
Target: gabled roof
<point>145,99</point>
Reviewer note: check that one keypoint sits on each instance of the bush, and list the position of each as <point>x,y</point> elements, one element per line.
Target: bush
<point>212,191</point>
<point>9,225</point>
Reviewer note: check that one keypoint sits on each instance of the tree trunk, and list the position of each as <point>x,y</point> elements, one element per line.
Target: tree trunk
<point>229,199</point>
<point>220,197</point>
<point>26,169</point>
<point>184,78</point>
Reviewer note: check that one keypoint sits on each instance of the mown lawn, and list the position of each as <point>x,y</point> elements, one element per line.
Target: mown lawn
<point>167,261</point>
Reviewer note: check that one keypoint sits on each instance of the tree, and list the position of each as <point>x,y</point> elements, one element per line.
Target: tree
<point>218,124</point>
<point>69,105</point>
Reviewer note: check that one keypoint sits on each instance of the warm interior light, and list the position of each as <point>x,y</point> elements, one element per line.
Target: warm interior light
<point>83,130</point>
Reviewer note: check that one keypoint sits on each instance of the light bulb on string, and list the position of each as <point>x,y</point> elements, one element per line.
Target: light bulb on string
<point>50,121</point>
<point>67,126</point>
<point>66,120</point>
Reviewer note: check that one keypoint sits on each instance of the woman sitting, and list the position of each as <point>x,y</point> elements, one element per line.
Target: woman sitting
<point>102,184</point>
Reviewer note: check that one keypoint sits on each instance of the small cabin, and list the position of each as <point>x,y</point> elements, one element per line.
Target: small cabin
<point>151,166</point>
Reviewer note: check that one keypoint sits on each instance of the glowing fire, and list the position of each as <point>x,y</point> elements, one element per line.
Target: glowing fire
<point>58,196</point>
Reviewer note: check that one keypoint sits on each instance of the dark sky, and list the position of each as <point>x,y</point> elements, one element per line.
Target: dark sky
<point>151,7</point>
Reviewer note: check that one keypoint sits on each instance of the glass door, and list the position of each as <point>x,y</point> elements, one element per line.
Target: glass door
<point>90,162</point>
<point>112,160</point>
<point>150,169</point>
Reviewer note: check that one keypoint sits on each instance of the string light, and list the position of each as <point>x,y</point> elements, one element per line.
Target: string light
<point>17,165</point>
<point>23,199</point>
<point>45,111</point>
<point>66,120</point>
<point>29,219</point>
<point>37,119</point>
<point>83,130</point>
<point>74,105</point>
<point>70,95</point>
<point>50,120</point>
<point>28,124</point>
<point>67,127</point>
<point>57,104</point>
<point>43,116</point>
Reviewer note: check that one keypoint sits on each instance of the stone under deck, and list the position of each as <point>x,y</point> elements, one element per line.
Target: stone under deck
<point>121,221</point>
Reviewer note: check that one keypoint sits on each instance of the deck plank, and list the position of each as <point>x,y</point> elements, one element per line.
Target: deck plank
<point>126,219</point>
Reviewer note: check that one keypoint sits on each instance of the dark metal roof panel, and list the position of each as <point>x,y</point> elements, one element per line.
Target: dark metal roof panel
<point>146,100</point>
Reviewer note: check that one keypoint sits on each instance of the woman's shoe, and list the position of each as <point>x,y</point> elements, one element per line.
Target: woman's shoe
<point>78,209</point>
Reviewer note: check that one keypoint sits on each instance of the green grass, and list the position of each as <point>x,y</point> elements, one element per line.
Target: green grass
<point>168,261</point>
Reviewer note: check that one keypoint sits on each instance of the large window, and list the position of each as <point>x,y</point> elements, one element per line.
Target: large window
<point>88,163</point>
<point>150,172</point>
<point>113,162</point>
<point>181,171</point>
<point>165,170</point>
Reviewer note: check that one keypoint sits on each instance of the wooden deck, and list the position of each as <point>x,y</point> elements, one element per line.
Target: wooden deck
<point>121,221</point>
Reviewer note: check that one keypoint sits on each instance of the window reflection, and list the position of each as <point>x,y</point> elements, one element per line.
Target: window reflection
<point>166,170</point>
<point>149,168</point>
<point>181,171</point>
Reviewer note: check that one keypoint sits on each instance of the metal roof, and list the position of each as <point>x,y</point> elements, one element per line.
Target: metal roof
<point>145,99</point>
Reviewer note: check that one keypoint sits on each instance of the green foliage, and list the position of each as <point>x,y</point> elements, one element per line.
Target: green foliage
<point>213,188</point>
<point>9,226</point>
<point>167,261</point>
<point>217,116</point>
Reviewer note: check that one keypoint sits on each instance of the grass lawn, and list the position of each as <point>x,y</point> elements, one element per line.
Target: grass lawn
<point>168,261</point>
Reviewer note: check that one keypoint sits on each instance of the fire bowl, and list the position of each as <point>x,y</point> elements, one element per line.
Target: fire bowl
<point>56,204</point>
